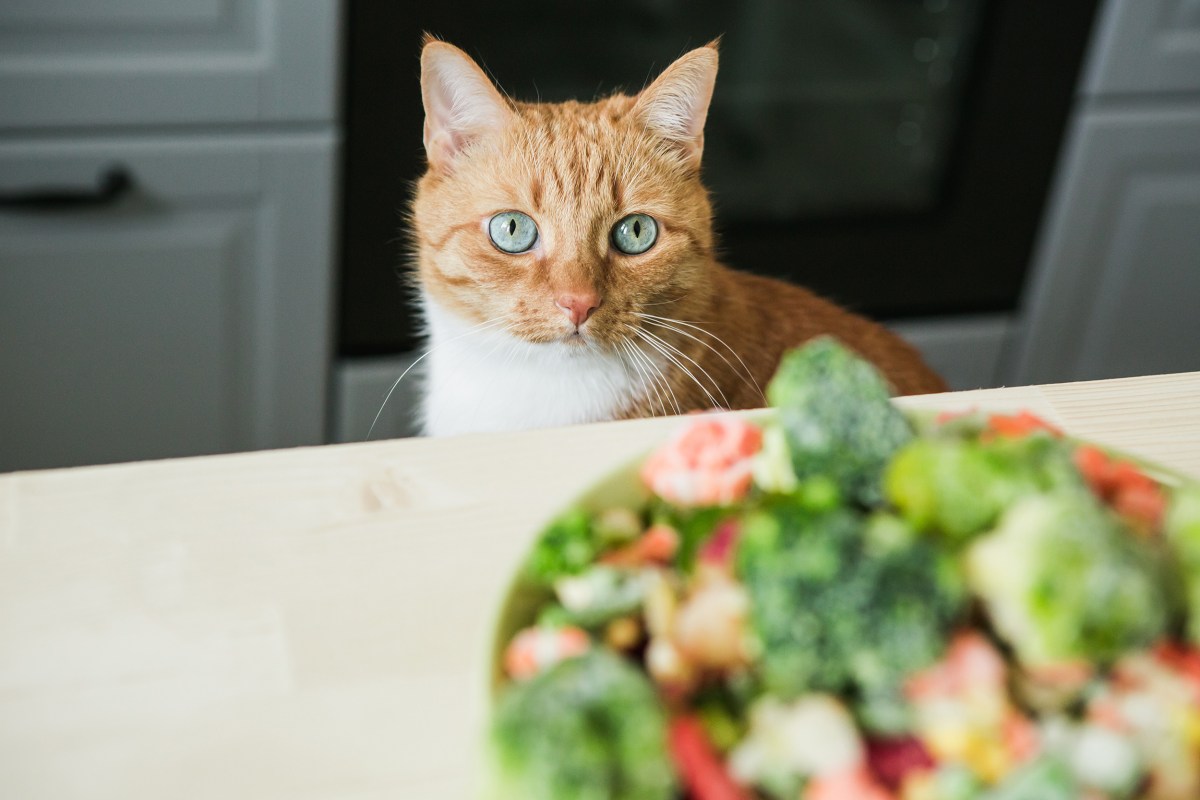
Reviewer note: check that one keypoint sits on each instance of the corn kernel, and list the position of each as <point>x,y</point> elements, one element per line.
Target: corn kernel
<point>947,743</point>
<point>622,633</point>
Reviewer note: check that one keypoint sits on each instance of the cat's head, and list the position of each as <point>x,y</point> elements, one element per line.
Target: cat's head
<point>564,220</point>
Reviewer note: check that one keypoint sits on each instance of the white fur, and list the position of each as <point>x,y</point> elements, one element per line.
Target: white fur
<point>489,380</point>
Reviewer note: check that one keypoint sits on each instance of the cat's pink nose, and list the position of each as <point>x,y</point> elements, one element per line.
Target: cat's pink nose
<point>578,306</point>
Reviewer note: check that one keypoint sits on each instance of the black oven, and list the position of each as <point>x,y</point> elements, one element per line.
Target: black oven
<point>893,155</point>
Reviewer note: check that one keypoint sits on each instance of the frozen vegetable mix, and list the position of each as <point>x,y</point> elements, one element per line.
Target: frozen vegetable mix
<point>838,600</point>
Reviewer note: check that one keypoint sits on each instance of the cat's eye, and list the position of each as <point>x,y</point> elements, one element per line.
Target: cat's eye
<point>512,231</point>
<point>635,234</point>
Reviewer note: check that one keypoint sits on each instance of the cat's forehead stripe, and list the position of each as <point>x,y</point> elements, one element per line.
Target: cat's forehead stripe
<point>535,192</point>
<point>577,147</point>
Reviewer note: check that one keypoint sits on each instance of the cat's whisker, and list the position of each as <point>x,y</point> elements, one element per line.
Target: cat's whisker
<point>670,357</point>
<point>662,385</point>
<point>660,377</point>
<point>668,322</point>
<point>666,302</point>
<point>648,383</point>
<point>676,351</point>
<point>621,360</point>
<point>667,326</point>
<point>491,323</point>
<point>744,373</point>
<point>626,358</point>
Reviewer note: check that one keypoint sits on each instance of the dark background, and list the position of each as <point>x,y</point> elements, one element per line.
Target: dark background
<point>844,150</point>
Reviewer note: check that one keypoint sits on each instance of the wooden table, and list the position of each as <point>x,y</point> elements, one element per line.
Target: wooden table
<point>312,623</point>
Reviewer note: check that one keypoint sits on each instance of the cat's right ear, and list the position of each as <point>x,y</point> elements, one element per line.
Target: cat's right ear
<point>461,104</point>
<point>676,104</point>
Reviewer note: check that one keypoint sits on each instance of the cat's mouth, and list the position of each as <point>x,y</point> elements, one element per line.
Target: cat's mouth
<point>580,337</point>
<point>578,340</point>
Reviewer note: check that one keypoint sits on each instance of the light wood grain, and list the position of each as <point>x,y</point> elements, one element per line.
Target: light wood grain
<point>313,623</point>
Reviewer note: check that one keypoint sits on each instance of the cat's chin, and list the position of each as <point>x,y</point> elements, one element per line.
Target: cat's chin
<point>569,343</point>
<point>490,379</point>
<point>579,339</point>
<point>569,346</point>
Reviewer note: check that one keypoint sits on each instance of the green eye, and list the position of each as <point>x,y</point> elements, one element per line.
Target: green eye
<point>635,234</point>
<point>512,231</point>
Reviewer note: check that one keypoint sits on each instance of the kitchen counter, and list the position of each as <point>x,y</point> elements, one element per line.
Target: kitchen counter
<point>314,623</point>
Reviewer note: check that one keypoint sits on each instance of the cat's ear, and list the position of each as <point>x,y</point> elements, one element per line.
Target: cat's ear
<point>676,104</point>
<point>461,104</point>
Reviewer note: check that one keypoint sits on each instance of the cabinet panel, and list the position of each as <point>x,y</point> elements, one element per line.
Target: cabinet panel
<point>127,62</point>
<point>187,316</point>
<point>1118,273</point>
<point>134,335</point>
<point>1146,46</point>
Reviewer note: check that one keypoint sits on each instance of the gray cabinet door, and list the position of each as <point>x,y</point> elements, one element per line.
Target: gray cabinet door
<point>1117,275</point>
<point>130,62</point>
<point>1146,46</point>
<point>188,315</point>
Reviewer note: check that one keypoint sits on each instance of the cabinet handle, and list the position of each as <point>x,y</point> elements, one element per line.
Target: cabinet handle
<point>111,185</point>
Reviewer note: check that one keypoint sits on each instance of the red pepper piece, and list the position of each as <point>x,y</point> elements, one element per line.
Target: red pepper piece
<point>890,760</point>
<point>1182,658</point>
<point>718,548</point>
<point>699,765</point>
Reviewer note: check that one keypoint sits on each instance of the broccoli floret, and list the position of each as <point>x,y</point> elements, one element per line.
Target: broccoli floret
<point>955,781</point>
<point>834,409</point>
<point>1047,778</point>
<point>959,487</point>
<point>599,594</point>
<point>1064,581</point>
<point>568,546</point>
<point>1183,534</point>
<point>589,728</point>
<point>694,526</point>
<point>841,602</point>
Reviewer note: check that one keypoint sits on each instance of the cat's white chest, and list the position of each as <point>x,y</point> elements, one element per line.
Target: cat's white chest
<point>483,379</point>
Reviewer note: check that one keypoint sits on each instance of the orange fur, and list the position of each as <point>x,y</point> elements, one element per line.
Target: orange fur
<point>578,168</point>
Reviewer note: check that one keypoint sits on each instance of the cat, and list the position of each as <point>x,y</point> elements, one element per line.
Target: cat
<point>566,269</point>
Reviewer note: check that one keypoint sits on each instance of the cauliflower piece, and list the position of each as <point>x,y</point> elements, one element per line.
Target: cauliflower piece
<point>1064,582</point>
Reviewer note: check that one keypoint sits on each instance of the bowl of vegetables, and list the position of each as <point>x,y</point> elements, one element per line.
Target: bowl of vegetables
<point>836,599</point>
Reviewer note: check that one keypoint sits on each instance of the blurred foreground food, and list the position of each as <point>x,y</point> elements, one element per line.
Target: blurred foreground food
<point>844,602</point>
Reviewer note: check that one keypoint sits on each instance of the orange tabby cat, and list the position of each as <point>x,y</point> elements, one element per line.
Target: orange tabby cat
<point>566,262</point>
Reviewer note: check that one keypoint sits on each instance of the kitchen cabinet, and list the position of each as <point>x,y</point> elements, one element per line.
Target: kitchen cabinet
<point>168,179</point>
<point>86,63</point>
<point>1116,279</point>
<point>174,319</point>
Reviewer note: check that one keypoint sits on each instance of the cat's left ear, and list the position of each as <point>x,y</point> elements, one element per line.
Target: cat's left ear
<point>461,104</point>
<point>676,104</point>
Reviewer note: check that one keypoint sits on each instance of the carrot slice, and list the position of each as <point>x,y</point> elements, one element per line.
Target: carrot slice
<point>1097,469</point>
<point>1131,493</point>
<point>657,545</point>
<point>1020,424</point>
<point>1144,504</point>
